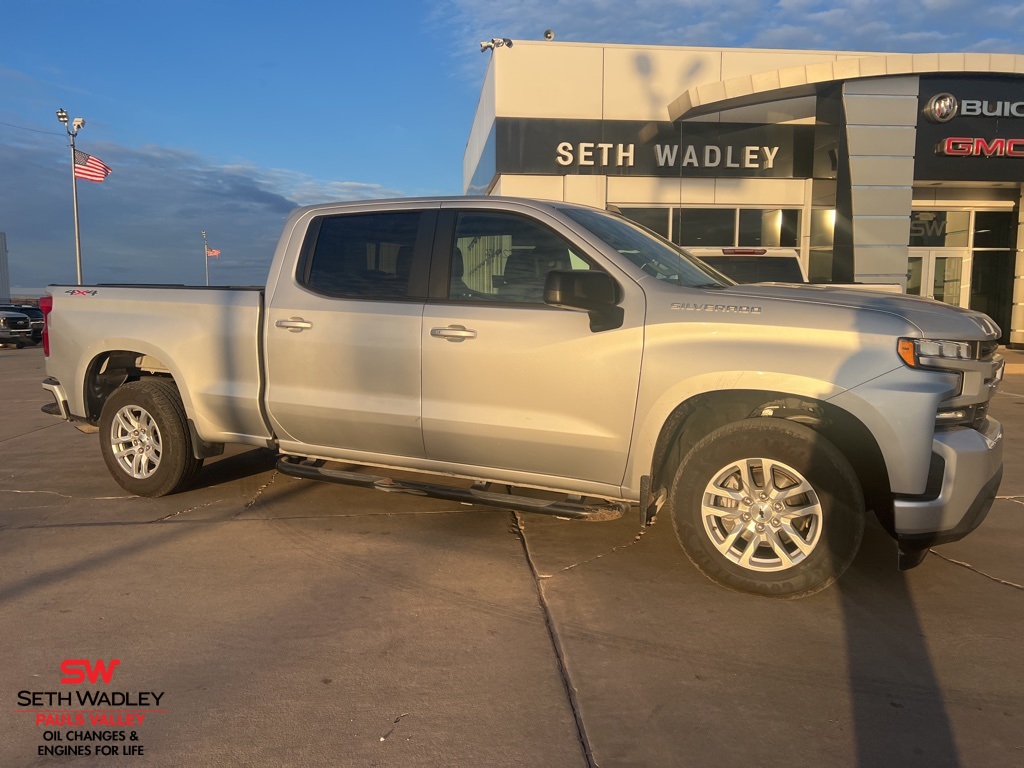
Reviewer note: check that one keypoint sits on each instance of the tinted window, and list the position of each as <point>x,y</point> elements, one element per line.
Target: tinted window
<point>703,227</point>
<point>778,228</point>
<point>655,219</point>
<point>751,269</point>
<point>504,258</point>
<point>995,229</point>
<point>32,312</point>
<point>363,255</point>
<point>938,229</point>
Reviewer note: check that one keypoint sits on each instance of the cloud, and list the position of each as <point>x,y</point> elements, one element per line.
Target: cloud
<point>937,25</point>
<point>143,223</point>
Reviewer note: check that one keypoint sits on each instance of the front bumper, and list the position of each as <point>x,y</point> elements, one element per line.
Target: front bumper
<point>973,468</point>
<point>9,336</point>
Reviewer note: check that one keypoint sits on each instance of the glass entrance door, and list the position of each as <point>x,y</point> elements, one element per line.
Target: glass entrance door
<point>938,274</point>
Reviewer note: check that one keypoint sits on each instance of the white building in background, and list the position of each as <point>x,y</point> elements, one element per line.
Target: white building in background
<point>5,275</point>
<point>872,167</point>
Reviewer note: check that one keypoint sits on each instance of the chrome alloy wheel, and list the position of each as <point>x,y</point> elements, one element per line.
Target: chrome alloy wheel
<point>761,514</point>
<point>135,441</point>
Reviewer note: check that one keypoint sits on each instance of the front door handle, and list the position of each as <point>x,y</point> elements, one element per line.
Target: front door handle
<point>454,333</point>
<point>294,324</point>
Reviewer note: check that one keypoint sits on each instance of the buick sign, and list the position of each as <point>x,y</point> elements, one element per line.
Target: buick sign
<point>941,108</point>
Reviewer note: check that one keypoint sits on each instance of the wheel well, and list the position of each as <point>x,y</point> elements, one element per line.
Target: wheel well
<point>701,415</point>
<point>110,370</point>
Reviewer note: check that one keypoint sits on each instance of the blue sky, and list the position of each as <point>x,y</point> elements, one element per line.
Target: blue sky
<point>223,116</point>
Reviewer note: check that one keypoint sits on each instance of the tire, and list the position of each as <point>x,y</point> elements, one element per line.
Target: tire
<point>766,537</point>
<point>19,344</point>
<point>145,440</point>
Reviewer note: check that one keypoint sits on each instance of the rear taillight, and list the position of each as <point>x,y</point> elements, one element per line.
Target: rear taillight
<point>46,305</point>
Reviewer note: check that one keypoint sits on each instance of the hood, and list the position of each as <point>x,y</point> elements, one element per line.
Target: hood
<point>932,318</point>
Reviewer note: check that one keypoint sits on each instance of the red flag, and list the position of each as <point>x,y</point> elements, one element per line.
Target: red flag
<point>212,253</point>
<point>90,168</point>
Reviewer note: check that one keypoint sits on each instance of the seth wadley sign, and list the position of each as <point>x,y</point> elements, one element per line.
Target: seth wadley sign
<point>604,154</point>
<point>642,148</point>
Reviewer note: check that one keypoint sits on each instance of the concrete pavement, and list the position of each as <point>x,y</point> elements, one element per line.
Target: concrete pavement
<point>296,623</point>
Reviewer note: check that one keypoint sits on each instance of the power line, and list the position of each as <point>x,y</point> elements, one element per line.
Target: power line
<point>34,130</point>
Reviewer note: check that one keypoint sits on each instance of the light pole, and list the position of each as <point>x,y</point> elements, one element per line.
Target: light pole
<point>206,258</point>
<point>76,125</point>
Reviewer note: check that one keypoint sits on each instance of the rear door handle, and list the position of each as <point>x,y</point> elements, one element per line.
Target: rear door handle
<point>294,324</point>
<point>454,333</point>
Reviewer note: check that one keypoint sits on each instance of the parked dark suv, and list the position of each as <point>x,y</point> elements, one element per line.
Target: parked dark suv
<point>35,316</point>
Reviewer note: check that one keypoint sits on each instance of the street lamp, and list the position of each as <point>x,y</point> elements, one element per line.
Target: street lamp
<point>76,125</point>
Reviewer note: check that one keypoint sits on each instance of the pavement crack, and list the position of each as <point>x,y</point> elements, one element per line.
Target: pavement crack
<point>627,545</point>
<point>67,496</point>
<point>968,566</point>
<point>260,490</point>
<point>518,526</point>
<point>49,493</point>
<point>30,432</point>
<point>186,510</point>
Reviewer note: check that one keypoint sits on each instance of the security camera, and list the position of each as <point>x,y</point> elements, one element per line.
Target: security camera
<point>495,42</point>
<point>549,34</point>
<point>78,123</point>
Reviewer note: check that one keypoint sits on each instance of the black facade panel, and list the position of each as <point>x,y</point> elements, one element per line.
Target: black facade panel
<point>642,148</point>
<point>981,139</point>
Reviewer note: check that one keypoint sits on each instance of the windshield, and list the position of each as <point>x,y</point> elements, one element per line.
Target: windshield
<point>654,255</point>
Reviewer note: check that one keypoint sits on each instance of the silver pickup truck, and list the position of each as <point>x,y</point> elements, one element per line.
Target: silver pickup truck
<point>564,356</point>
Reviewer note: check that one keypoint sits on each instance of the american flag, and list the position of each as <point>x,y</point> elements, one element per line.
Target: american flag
<point>90,168</point>
<point>212,253</point>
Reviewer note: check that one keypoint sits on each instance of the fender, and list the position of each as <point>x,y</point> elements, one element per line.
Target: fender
<point>649,423</point>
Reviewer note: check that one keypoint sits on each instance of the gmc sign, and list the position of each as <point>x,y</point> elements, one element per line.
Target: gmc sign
<point>961,146</point>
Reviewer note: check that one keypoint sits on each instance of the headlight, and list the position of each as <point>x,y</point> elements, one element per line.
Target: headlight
<point>929,353</point>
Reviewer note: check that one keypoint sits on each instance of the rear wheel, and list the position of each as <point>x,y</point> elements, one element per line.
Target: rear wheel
<point>145,440</point>
<point>768,506</point>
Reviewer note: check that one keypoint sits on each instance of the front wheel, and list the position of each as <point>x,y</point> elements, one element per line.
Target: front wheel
<point>145,440</point>
<point>768,506</point>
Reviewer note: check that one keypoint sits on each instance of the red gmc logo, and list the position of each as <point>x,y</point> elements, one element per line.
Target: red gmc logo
<point>960,146</point>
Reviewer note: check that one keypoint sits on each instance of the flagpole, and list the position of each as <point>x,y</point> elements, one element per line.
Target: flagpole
<point>206,258</point>
<point>79,123</point>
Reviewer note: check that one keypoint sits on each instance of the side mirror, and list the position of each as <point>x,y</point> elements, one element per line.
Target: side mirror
<point>590,291</point>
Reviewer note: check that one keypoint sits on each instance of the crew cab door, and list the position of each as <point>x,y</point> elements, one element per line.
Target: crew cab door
<point>509,382</point>
<point>343,335</point>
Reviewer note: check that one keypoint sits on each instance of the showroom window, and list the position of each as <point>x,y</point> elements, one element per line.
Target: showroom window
<point>655,219</point>
<point>722,227</point>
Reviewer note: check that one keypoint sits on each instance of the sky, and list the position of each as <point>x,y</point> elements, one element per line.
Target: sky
<point>223,116</point>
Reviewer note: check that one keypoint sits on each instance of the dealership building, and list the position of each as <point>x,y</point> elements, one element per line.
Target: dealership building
<point>871,167</point>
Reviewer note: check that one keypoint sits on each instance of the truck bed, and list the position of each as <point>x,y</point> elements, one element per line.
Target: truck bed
<point>208,339</point>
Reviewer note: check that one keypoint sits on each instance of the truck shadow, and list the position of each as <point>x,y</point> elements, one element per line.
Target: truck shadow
<point>235,466</point>
<point>899,710</point>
